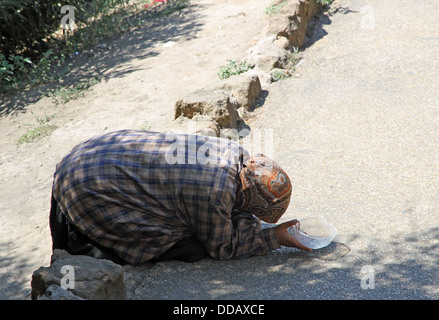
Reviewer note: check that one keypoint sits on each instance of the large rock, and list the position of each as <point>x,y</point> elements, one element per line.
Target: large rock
<point>198,124</point>
<point>217,106</point>
<point>85,277</point>
<point>214,103</point>
<point>54,292</point>
<point>267,55</point>
<point>244,89</point>
<point>292,19</point>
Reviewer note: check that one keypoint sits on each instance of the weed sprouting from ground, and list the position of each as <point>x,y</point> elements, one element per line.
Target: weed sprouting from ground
<point>64,95</point>
<point>233,68</point>
<point>110,19</point>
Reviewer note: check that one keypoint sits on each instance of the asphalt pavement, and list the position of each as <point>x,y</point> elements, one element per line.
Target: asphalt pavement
<point>357,129</point>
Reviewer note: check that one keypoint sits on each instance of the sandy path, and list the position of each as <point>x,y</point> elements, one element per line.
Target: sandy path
<point>357,130</point>
<point>143,73</point>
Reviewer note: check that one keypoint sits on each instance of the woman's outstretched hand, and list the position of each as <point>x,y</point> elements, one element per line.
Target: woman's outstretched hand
<point>285,238</point>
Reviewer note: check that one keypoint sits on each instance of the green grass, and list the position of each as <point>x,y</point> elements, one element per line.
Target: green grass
<point>64,95</point>
<point>277,75</point>
<point>275,8</point>
<point>42,130</point>
<point>20,73</point>
<point>60,96</point>
<point>326,2</point>
<point>233,68</point>
<point>145,126</point>
<point>169,8</point>
<point>37,133</point>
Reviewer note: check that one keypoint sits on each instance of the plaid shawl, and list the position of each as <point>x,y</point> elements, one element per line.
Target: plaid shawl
<point>138,193</point>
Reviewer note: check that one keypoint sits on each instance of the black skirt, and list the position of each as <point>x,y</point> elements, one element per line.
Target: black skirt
<point>67,237</point>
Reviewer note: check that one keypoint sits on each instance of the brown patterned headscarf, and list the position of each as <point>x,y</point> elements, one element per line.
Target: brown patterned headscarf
<point>264,189</point>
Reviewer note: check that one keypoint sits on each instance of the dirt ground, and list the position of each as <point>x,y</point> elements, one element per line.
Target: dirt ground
<point>142,74</point>
<point>356,128</point>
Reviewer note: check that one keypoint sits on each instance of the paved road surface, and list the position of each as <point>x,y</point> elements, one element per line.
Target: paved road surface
<point>357,128</point>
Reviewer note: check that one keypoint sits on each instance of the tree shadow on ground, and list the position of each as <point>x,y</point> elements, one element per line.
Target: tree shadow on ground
<point>14,277</point>
<point>317,25</point>
<point>109,59</point>
<point>406,269</point>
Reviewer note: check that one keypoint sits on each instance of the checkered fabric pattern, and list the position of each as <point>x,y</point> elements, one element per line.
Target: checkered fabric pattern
<point>138,193</point>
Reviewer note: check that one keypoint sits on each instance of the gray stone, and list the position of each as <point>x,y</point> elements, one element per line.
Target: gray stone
<point>198,124</point>
<point>292,20</point>
<point>54,292</point>
<point>282,42</point>
<point>83,276</point>
<point>280,74</point>
<point>267,55</point>
<point>215,104</point>
<point>244,89</point>
<point>264,77</point>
